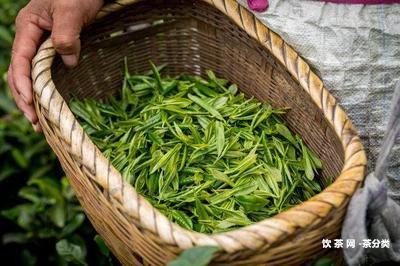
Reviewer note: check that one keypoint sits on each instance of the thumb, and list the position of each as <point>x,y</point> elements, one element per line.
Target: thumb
<point>67,24</point>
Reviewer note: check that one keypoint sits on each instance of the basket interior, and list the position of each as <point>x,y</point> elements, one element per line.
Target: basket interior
<point>191,37</point>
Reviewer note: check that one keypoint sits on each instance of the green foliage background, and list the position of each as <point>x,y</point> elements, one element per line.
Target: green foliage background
<point>41,222</point>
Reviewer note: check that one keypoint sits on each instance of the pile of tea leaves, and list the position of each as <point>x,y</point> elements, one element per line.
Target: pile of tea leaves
<point>201,152</point>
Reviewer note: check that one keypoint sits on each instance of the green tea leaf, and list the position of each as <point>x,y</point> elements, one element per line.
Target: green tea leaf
<point>166,157</point>
<point>233,89</point>
<point>58,215</point>
<point>284,131</point>
<point>196,256</point>
<point>182,219</point>
<point>201,210</point>
<point>325,262</point>
<point>156,74</point>
<point>220,176</point>
<point>220,137</point>
<point>206,106</point>
<point>71,252</point>
<point>252,202</point>
<point>244,164</point>
<point>102,246</point>
<point>73,224</point>
<point>18,238</point>
<point>307,163</point>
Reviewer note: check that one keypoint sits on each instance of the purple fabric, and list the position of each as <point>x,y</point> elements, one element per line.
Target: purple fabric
<point>258,5</point>
<point>366,2</point>
<point>262,5</point>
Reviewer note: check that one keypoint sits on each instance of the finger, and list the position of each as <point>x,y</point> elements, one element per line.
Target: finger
<point>10,80</point>
<point>28,110</point>
<point>67,24</point>
<point>26,42</point>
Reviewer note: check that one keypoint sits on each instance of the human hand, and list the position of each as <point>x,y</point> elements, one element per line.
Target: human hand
<point>64,19</point>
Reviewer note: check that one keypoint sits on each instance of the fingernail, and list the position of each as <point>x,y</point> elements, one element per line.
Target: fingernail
<point>70,60</point>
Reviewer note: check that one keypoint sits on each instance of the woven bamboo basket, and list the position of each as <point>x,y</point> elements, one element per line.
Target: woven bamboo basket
<point>192,36</point>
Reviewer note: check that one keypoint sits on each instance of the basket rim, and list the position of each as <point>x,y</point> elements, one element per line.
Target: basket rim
<point>270,231</point>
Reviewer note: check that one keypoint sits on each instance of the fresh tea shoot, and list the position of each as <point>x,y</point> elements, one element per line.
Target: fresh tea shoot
<point>201,152</point>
